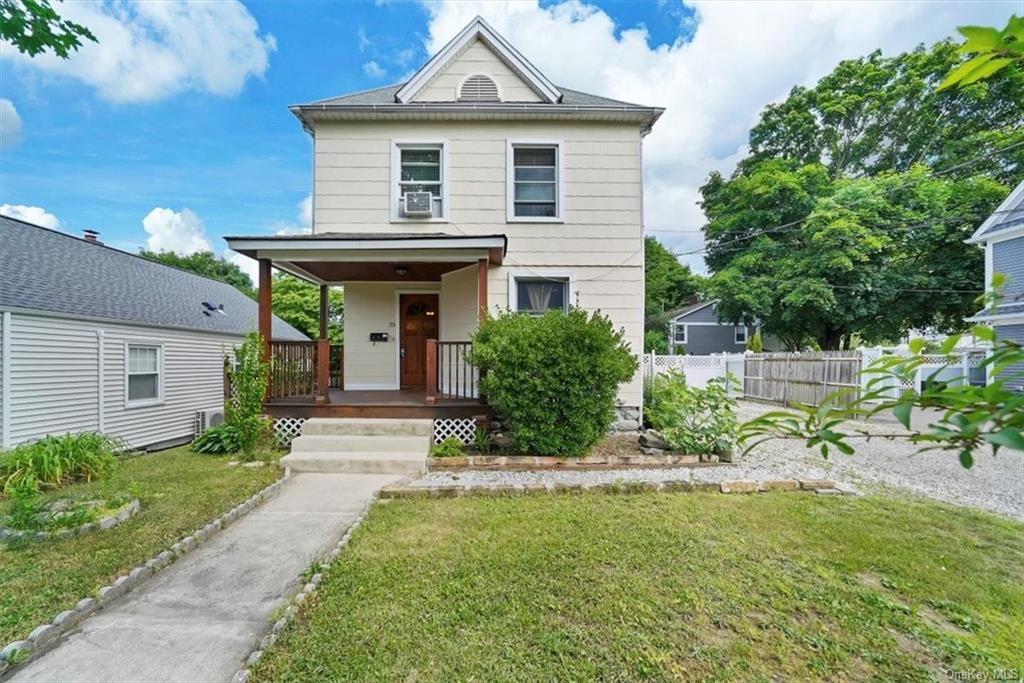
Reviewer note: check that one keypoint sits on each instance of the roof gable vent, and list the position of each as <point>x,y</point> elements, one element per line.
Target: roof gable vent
<point>479,88</point>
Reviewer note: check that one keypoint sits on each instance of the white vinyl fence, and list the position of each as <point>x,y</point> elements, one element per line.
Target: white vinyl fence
<point>808,377</point>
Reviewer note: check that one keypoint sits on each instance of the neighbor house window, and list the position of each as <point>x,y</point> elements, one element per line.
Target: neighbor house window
<point>143,373</point>
<point>536,295</point>
<point>740,333</point>
<point>680,333</point>
<point>419,168</point>
<point>534,182</point>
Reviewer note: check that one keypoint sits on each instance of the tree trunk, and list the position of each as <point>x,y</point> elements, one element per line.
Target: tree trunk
<point>831,339</point>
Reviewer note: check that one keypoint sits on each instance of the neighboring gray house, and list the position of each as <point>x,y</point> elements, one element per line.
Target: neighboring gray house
<point>697,329</point>
<point>97,339</point>
<point>1003,238</point>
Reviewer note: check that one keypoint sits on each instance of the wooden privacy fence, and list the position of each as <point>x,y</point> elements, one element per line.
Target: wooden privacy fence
<point>802,377</point>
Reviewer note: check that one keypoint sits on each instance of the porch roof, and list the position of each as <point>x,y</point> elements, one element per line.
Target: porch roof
<point>335,257</point>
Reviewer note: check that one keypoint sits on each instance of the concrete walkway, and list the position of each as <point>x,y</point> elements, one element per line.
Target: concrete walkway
<point>199,619</point>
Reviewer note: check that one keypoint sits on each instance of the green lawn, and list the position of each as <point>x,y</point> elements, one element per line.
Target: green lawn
<point>179,491</point>
<point>663,587</point>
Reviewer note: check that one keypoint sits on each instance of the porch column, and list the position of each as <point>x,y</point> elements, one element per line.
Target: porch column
<point>481,289</point>
<point>265,313</point>
<point>323,354</point>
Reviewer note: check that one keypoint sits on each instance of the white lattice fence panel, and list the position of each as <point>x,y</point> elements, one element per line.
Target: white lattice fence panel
<point>462,428</point>
<point>286,429</point>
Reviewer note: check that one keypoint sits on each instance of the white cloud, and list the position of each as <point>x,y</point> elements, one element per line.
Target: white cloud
<point>31,214</point>
<point>249,266</point>
<point>10,124</point>
<point>147,51</point>
<point>304,219</point>
<point>374,70</point>
<point>181,232</point>
<point>742,56</point>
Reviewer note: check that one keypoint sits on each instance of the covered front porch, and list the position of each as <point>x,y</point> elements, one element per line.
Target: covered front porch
<point>412,301</point>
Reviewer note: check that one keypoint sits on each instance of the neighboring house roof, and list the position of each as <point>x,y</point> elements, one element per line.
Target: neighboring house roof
<point>998,312</point>
<point>47,270</point>
<point>1009,214</point>
<point>693,308</point>
<point>398,100</point>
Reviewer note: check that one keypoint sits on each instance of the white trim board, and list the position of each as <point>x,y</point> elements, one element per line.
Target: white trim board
<point>5,381</point>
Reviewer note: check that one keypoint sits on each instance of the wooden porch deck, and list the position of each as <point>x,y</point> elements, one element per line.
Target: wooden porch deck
<point>410,403</point>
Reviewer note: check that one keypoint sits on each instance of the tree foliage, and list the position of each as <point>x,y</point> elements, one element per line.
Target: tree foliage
<point>875,256</point>
<point>993,51</point>
<point>34,26</point>
<point>205,263</point>
<point>297,302</point>
<point>667,284</point>
<point>243,411</point>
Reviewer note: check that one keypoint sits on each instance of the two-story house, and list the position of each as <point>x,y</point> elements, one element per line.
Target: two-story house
<point>477,185</point>
<point>1002,236</point>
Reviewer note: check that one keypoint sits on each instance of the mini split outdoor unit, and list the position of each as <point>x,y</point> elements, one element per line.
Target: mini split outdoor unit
<point>418,204</point>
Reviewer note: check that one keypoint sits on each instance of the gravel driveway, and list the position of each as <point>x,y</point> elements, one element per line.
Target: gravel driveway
<point>995,483</point>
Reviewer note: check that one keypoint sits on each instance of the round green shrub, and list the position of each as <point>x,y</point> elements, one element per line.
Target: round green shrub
<point>553,379</point>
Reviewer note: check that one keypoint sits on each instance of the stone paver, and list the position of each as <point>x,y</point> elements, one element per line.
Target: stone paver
<point>198,619</point>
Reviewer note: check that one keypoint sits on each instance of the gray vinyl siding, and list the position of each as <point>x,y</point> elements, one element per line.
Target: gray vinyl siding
<point>705,339</point>
<point>1008,258</point>
<point>703,315</point>
<point>2,352</point>
<point>1013,374</point>
<point>55,379</point>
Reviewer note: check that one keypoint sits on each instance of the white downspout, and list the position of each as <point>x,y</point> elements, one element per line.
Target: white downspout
<point>5,384</point>
<point>100,416</point>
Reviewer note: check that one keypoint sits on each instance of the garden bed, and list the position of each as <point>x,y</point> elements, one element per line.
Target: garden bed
<point>178,491</point>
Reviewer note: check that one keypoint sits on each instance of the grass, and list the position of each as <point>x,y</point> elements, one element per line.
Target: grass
<point>179,491</point>
<point>663,587</point>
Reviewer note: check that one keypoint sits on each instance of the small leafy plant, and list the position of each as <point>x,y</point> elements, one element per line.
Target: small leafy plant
<point>244,410</point>
<point>220,440</point>
<point>693,420</point>
<point>449,448</point>
<point>482,441</point>
<point>55,461</point>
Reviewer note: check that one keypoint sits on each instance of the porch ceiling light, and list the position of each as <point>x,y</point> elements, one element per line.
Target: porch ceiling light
<point>401,271</point>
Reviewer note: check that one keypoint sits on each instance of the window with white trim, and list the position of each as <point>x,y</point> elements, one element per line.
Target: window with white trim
<point>740,334</point>
<point>143,373</point>
<point>680,333</point>
<point>421,169</point>
<point>537,295</point>
<point>534,180</point>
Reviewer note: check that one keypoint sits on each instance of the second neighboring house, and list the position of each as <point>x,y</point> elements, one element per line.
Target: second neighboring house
<point>698,330</point>
<point>97,339</point>
<point>1002,236</point>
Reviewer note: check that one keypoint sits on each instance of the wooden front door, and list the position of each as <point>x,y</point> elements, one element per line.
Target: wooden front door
<point>418,318</point>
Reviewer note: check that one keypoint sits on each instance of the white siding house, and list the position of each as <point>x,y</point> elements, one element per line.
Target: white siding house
<point>97,339</point>
<point>535,202</point>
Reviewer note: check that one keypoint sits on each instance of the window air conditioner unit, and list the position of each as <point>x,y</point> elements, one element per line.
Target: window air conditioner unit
<point>419,204</point>
<point>204,419</point>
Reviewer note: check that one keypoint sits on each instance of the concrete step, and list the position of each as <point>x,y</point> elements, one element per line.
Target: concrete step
<point>367,426</point>
<point>345,443</point>
<point>400,462</point>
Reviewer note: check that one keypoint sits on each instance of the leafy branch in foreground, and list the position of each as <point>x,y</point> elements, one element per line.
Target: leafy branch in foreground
<point>993,50</point>
<point>971,416</point>
<point>33,26</point>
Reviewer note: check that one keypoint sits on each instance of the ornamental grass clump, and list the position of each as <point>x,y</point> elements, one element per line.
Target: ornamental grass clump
<point>553,379</point>
<point>55,461</point>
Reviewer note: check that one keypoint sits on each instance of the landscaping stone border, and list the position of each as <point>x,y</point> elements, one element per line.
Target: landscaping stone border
<point>512,463</point>
<point>304,592</point>
<point>46,635</point>
<point>122,514</point>
<point>818,486</point>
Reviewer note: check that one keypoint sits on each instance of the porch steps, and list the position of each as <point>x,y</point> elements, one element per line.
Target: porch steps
<point>367,445</point>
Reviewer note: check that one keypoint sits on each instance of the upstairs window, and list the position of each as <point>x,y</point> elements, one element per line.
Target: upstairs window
<point>534,182</point>
<point>143,374</point>
<point>419,168</point>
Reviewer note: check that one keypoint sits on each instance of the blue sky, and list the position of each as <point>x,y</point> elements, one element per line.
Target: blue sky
<point>207,130</point>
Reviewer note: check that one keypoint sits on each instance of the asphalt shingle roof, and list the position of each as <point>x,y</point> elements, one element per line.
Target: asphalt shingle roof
<point>386,95</point>
<point>46,270</point>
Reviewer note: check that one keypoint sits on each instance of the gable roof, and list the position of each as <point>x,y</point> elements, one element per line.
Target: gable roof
<point>397,101</point>
<point>692,308</point>
<point>478,29</point>
<point>47,270</point>
<point>1009,214</point>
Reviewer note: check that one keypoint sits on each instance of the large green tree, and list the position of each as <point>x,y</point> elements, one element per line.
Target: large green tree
<point>34,26</point>
<point>877,113</point>
<point>874,256</point>
<point>297,302</point>
<point>205,263</point>
<point>667,283</point>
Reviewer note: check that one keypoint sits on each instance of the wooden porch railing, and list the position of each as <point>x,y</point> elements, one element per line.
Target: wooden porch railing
<point>337,366</point>
<point>293,367</point>
<point>449,372</point>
